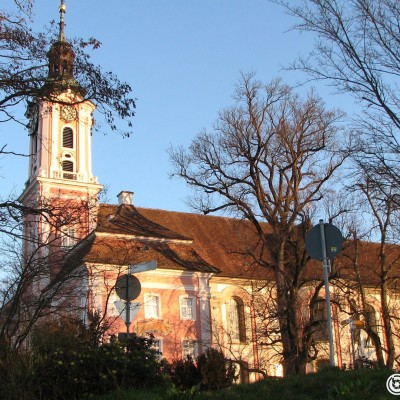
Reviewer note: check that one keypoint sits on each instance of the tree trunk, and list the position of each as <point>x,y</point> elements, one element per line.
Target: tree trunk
<point>294,358</point>
<point>387,331</point>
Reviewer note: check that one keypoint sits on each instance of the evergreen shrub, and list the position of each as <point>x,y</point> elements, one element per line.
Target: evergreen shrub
<point>216,372</point>
<point>210,371</point>
<point>184,373</point>
<point>63,362</point>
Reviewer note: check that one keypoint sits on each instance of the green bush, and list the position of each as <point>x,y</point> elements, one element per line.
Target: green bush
<point>79,373</point>
<point>16,377</point>
<point>216,372</point>
<point>64,362</point>
<point>210,371</point>
<point>184,373</point>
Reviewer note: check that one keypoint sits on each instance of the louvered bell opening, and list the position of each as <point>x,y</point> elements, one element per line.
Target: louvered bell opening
<point>68,138</point>
<point>68,168</point>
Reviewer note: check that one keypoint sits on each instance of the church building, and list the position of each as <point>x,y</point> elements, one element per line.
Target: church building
<point>197,281</point>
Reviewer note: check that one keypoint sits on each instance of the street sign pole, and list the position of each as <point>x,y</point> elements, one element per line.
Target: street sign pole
<point>128,288</point>
<point>122,307</point>
<point>128,307</point>
<point>326,268</point>
<point>142,267</point>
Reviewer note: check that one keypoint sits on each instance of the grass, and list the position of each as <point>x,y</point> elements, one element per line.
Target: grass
<point>329,384</point>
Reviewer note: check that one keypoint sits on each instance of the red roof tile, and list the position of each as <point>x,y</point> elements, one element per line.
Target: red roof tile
<point>195,242</point>
<point>127,235</point>
<point>126,220</point>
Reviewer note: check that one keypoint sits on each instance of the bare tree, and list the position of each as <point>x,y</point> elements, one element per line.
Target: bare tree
<point>36,279</point>
<point>24,70</point>
<point>384,212</point>
<point>357,51</point>
<point>369,269</point>
<point>268,159</point>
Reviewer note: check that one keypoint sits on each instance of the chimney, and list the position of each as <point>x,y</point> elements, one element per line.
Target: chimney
<point>125,197</point>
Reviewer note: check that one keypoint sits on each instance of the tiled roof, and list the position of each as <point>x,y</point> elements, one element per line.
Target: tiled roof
<point>231,245</point>
<point>126,235</point>
<point>194,242</point>
<point>122,251</point>
<point>368,263</point>
<point>126,220</point>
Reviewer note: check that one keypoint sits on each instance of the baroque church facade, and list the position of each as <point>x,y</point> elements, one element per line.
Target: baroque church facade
<point>206,288</point>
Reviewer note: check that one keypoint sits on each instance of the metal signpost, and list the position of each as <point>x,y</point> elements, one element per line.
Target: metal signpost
<point>323,242</point>
<point>128,288</point>
<point>124,309</point>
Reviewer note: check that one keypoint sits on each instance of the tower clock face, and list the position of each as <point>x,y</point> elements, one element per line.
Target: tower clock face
<point>68,113</point>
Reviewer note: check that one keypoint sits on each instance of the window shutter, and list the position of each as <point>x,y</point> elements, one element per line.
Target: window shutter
<point>68,166</point>
<point>68,138</point>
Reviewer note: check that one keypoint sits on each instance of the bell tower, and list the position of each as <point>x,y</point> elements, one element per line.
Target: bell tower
<point>61,189</point>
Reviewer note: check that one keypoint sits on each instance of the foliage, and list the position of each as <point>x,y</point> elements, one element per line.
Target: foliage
<point>72,373</point>
<point>210,371</point>
<point>216,372</point>
<point>330,384</point>
<point>184,373</point>
<point>65,364</point>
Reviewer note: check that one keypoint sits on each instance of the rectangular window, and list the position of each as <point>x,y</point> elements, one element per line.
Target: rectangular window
<point>151,306</point>
<point>68,238</point>
<point>188,348</point>
<point>187,308</point>
<point>112,305</point>
<point>157,346</point>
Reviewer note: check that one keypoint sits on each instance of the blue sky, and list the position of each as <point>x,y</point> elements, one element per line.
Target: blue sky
<point>183,59</point>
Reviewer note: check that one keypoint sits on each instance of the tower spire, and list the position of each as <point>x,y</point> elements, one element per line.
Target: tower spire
<point>61,60</point>
<point>62,8</point>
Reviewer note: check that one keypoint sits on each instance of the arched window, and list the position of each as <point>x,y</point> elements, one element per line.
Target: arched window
<point>65,66</point>
<point>35,142</point>
<point>236,320</point>
<point>355,316</point>
<point>370,317</point>
<point>320,316</point>
<point>370,322</point>
<point>68,138</point>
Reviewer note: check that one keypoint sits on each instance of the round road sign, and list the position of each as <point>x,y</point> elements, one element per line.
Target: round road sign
<point>128,287</point>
